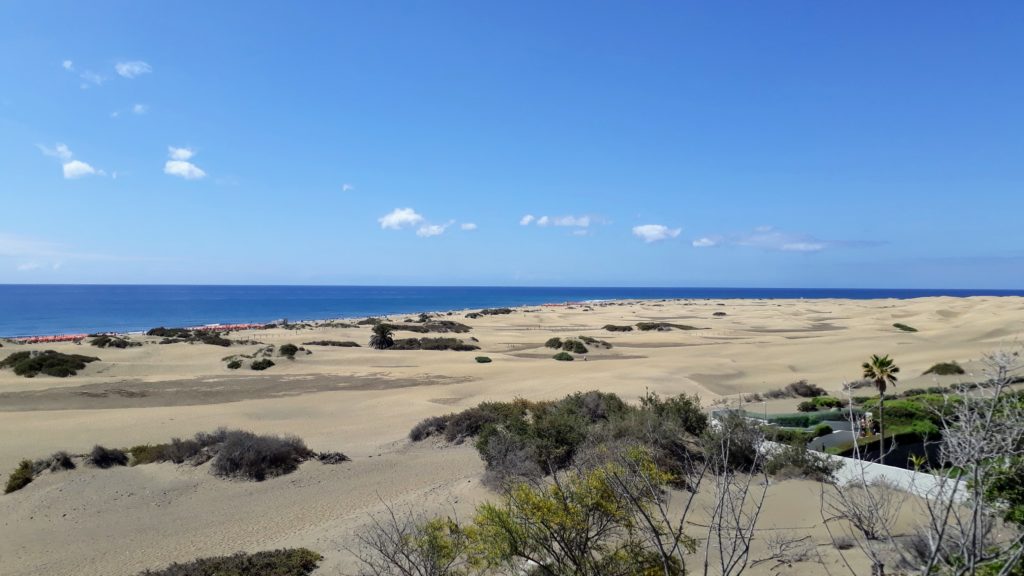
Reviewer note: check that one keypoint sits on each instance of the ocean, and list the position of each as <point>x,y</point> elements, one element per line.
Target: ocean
<point>27,310</point>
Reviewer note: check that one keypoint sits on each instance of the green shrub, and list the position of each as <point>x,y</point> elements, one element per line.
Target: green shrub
<point>289,350</point>
<point>945,369</point>
<point>107,341</point>
<point>383,337</point>
<point>31,363</point>
<point>819,403</point>
<point>807,406</point>
<point>285,562</point>
<point>473,315</point>
<point>574,346</point>
<point>433,344</point>
<point>614,328</point>
<point>787,435</point>
<point>795,460</point>
<point>341,344</point>
<point>101,457</point>
<point>662,326</point>
<point>262,364</point>
<point>595,342</point>
<point>804,389</point>
<point>719,314</point>
<point>483,360</point>
<point>20,478</point>
<point>563,357</point>
<point>555,343</point>
<point>147,454</point>
<point>234,364</point>
<point>822,430</point>
<point>371,321</point>
<point>904,327</point>
<point>246,455</point>
<point>495,311</point>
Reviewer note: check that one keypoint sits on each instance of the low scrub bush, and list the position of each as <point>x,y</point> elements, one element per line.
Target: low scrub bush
<point>32,363</point>
<point>555,343</point>
<point>574,346</point>
<point>285,562</point>
<point>614,328</point>
<point>21,477</point>
<point>427,427</point>
<point>473,315</point>
<point>57,462</point>
<point>107,341</point>
<point>262,364</point>
<point>175,335</point>
<point>945,369</point>
<point>822,430</point>
<point>101,457</point>
<point>796,461</point>
<point>289,350</point>
<point>495,311</point>
<point>331,457</point>
<point>433,344</point>
<point>819,403</point>
<point>371,321</point>
<point>483,360</point>
<point>595,342</point>
<point>563,357</point>
<point>787,435</point>
<point>719,314</point>
<point>246,455</point>
<point>234,364</point>
<point>338,343</point>
<point>904,327</point>
<point>662,326</point>
<point>804,389</point>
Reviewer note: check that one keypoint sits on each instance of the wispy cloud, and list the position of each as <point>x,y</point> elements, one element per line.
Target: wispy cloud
<point>88,77</point>
<point>567,221</point>
<point>772,239</point>
<point>140,109</point>
<point>655,232</point>
<point>132,69</point>
<point>68,65</point>
<point>31,254</point>
<point>468,226</point>
<point>179,164</point>
<point>705,242</point>
<point>525,220</point>
<point>429,230</point>
<point>347,187</point>
<point>400,218</point>
<point>72,168</point>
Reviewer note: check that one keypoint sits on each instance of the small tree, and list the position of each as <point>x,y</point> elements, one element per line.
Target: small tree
<point>881,370</point>
<point>383,337</point>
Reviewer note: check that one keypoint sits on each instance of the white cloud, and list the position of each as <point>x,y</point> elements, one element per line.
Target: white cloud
<point>543,221</point>
<point>132,68</point>
<point>77,169</point>
<point>468,226</point>
<point>180,153</point>
<point>347,187</point>
<point>655,232</point>
<point>29,266</point>
<point>400,218</point>
<point>59,151</point>
<point>179,165</point>
<point>705,242</point>
<point>525,220</point>
<point>186,170</point>
<point>68,65</point>
<point>140,109</point>
<point>803,247</point>
<point>580,232</point>
<point>90,77</point>
<point>576,221</point>
<point>428,230</point>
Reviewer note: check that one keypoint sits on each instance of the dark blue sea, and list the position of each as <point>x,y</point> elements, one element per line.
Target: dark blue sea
<point>68,309</point>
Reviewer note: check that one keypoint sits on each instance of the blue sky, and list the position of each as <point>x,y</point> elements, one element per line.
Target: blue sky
<point>825,144</point>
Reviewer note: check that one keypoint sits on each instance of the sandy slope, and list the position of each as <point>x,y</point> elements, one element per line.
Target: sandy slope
<point>363,402</point>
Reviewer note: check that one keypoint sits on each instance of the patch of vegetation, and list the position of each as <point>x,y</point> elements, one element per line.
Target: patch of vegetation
<point>574,346</point>
<point>555,343</point>
<point>662,326</point>
<point>563,357</point>
<point>483,360</point>
<point>331,457</point>
<point>614,328</point>
<point>175,335</point>
<point>804,389</point>
<point>21,477</point>
<point>101,457</point>
<point>262,364</point>
<point>371,321</point>
<point>433,344</point>
<point>904,327</point>
<point>719,314</point>
<point>382,338</point>
<point>524,438</point>
<point>796,461</point>
<point>495,311</point>
<point>234,364</point>
<point>246,455</point>
<point>338,343</point>
<point>595,342</point>
<point>945,369</point>
<point>285,562</point>
<point>819,403</point>
<point>108,341</point>
<point>31,363</point>
<point>473,315</point>
<point>289,350</point>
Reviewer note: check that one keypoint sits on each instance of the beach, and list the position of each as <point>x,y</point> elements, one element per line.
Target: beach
<point>363,402</point>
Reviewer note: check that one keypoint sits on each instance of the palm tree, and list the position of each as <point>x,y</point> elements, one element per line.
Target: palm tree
<point>382,337</point>
<point>881,370</point>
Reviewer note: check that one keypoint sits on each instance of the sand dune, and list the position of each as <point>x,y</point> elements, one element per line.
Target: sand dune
<point>363,402</point>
